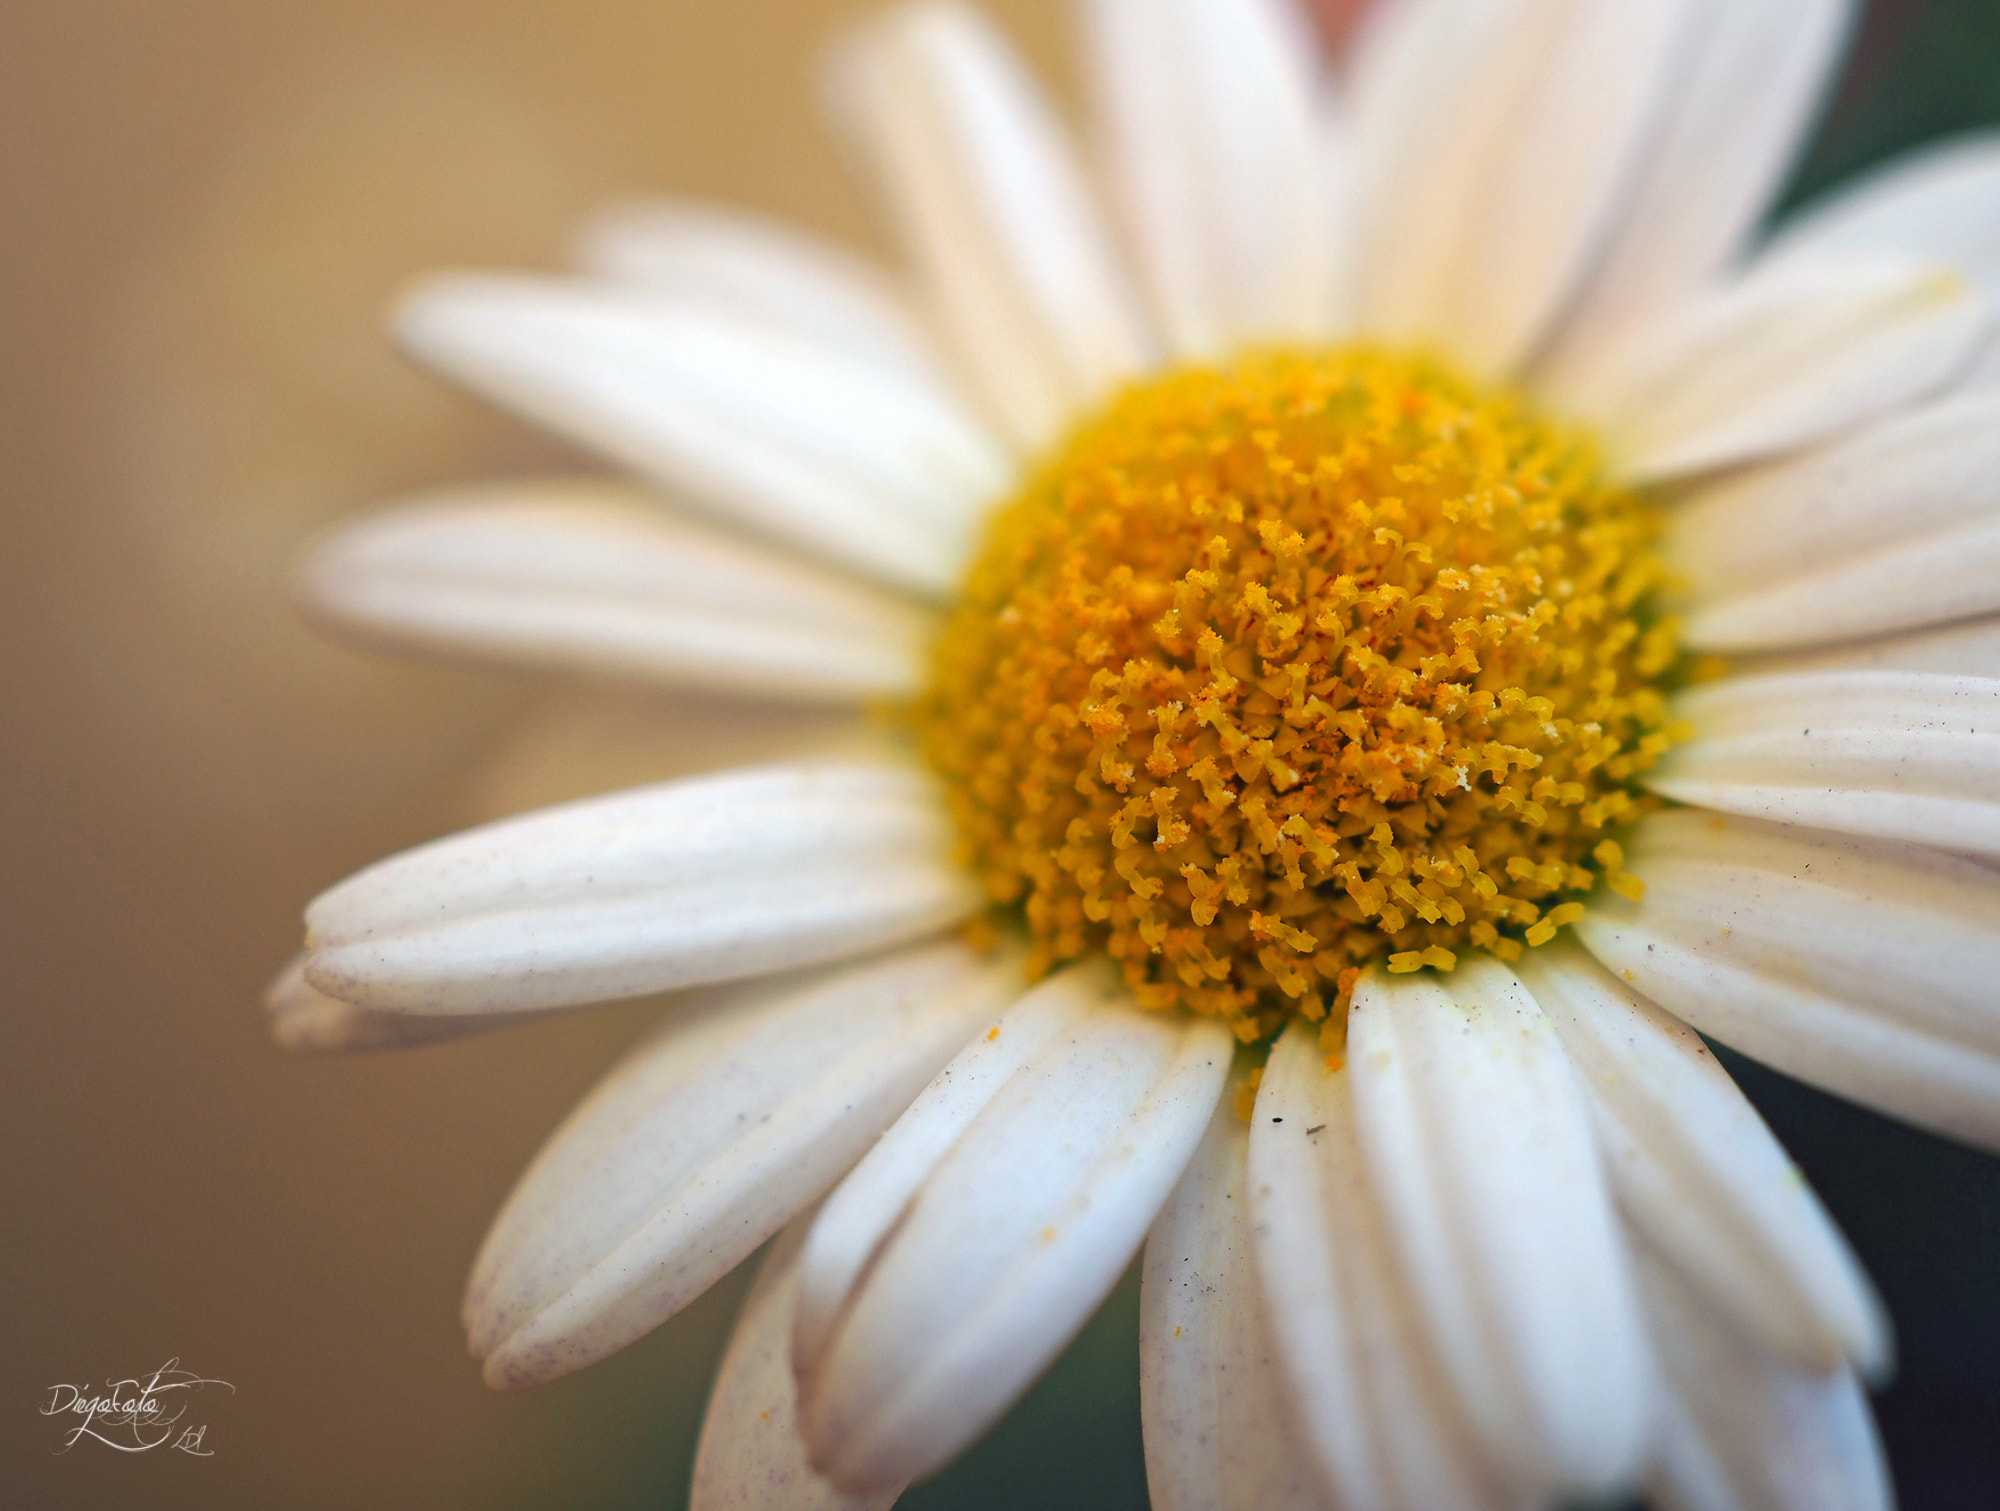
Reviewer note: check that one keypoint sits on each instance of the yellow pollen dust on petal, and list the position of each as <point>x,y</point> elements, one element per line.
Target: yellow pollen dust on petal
<point>1280,669</point>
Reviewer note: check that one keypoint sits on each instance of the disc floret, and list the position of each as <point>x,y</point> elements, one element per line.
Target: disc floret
<point>1287,667</point>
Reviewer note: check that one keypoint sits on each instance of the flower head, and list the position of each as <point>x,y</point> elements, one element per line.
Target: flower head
<point>1281,670</point>
<point>1328,819</point>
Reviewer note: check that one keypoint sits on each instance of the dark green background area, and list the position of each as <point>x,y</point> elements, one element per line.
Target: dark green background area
<point>1919,69</point>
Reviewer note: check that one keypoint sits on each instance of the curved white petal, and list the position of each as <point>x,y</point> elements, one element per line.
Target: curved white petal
<point>1984,370</point>
<point>1212,126</point>
<point>594,577</point>
<point>1478,1138</point>
<point>1388,54</point>
<point>1012,1236</point>
<point>751,1457</point>
<point>763,271</point>
<point>857,463</point>
<point>709,879</point>
<point>1777,359</point>
<point>1911,476</point>
<point>1899,755</point>
<point>736,1114</point>
<point>1940,202</point>
<point>1861,966</point>
<point>1749,1432</point>
<point>1933,579</point>
<point>985,189</point>
<point>1745,93</point>
<point>1369,1391</point>
<point>1497,151</point>
<point>1971,649</point>
<point>1339,177</point>
<point>1697,1172</point>
<point>1219,1421</point>
<point>871,1199</point>
<point>307,1020</point>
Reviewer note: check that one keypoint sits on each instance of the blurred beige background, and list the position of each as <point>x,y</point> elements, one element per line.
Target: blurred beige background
<point>208,205</point>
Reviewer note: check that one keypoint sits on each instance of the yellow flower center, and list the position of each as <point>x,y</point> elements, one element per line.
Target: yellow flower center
<point>1285,667</point>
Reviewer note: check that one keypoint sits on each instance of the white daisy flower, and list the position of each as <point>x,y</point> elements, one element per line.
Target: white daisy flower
<point>1275,566</point>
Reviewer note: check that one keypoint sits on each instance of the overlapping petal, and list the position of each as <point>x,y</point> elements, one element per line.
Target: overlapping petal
<point>983,1230</point>
<point>710,879</point>
<point>1747,1431</point>
<point>308,1020</point>
<point>1498,139</point>
<point>750,1457</point>
<point>1221,1430</point>
<point>1697,1172</point>
<point>1968,649</point>
<point>1914,475</point>
<point>1926,580</point>
<point>761,272</point>
<point>1862,966</point>
<point>1212,120</point>
<point>993,208</point>
<point>1371,1395</point>
<point>855,462</point>
<point>1779,358</point>
<point>1899,755</point>
<point>594,577</point>
<point>736,1114</point>
<point>1476,1135</point>
<point>1745,90</point>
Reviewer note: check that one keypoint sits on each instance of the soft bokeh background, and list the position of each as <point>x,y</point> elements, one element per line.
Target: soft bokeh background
<point>208,203</point>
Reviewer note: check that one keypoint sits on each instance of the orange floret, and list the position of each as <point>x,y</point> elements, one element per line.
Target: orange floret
<point>1284,668</point>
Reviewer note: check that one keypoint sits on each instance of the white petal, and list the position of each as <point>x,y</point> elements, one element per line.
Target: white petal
<point>761,271</point>
<point>1219,1423</point>
<point>1932,579</point>
<point>1013,1237</point>
<point>855,462</point>
<point>1339,184</point>
<point>1971,649</point>
<point>1212,124</point>
<point>871,1200</point>
<point>1494,162</point>
<point>1749,1432</point>
<point>594,577</point>
<point>1863,967</point>
<point>990,201</point>
<point>1744,96</point>
<point>1479,1140</point>
<point>1940,203</point>
<point>307,1020</point>
<point>1900,755</point>
<point>1984,370</point>
<point>710,879</point>
<point>1777,359</point>
<point>1698,1173</point>
<point>1911,476</point>
<point>751,1457</point>
<point>736,1114</point>
<point>1367,1383</point>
